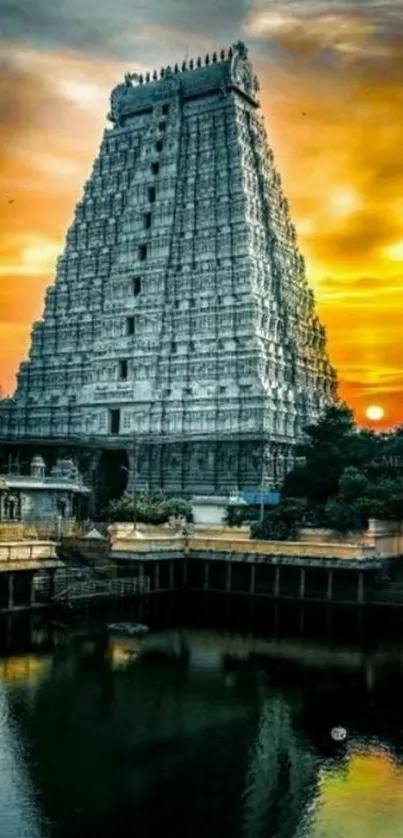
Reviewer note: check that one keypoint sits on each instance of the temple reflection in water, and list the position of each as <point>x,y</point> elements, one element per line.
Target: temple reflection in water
<point>230,734</point>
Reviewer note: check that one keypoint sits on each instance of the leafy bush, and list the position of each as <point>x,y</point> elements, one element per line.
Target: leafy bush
<point>281,523</point>
<point>241,515</point>
<point>148,508</point>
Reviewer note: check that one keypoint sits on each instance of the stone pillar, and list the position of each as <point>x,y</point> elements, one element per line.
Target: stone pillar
<point>171,576</point>
<point>132,480</point>
<point>51,589</point>
<point>277,581</point>
<point>206,570</point>
<point>369,676</point>
<point>329,593</point>
<point>32,591</point>
<point>229,578</point>
<point>302,583</point>
<point>9,632</point>
<point>156,576</point>
<point>91,476</point>
<point>252,585</point>
<point>360,587</point>
<point>10,595</point>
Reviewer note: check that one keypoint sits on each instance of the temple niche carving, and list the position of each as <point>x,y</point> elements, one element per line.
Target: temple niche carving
<point>180,319</point>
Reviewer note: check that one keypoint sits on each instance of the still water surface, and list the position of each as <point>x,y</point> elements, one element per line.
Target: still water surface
<point>195,732</point>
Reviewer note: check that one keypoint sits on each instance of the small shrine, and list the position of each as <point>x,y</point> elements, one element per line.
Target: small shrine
<point>38,496</point>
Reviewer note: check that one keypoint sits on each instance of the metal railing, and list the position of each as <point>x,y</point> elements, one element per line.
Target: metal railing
<point>117,588</point>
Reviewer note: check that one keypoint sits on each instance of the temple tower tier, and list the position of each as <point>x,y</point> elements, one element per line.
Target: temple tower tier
<point>180,328</point>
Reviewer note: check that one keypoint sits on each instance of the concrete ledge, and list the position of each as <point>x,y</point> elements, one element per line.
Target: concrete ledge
<point>10,567</point>
<point>148,545</point>
<point>323,562</point>
<point>22,551</point>
<point>155,556</point>
<point>269,549</point>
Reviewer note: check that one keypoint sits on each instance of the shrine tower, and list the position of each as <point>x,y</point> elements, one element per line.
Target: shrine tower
<point>179,339</point>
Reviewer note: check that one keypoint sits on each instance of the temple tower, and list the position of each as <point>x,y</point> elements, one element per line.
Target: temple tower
<point>180,328</point>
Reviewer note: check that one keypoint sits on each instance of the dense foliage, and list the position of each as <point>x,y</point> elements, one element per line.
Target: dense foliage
<point>282,522</point>
<point>344,477</point>
<point>148,508</point>
<point>239,515</point>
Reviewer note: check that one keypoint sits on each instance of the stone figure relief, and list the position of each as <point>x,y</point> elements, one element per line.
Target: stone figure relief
<point>227,461</point>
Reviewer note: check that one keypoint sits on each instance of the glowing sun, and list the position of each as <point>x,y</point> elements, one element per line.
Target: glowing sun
<point>374,412</point>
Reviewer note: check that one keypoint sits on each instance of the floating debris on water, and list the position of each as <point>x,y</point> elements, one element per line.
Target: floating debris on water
<point>338,734</point>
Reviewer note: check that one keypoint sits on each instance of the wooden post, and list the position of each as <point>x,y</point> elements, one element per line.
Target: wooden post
<point>276,616</point>
<point>252,584</point>
<point>156,576</point>
<point>369,676</point>
<point>184,574</point>
<point>32,592</point>
<point>9,632</point>
<point>10,597</point>
<point>302,583</point>
<point>171,576</point>
<point>251,610</point>
<point>360,587</point>
<point>329,593</point>
<point>277,581</point>
<point>206,570</point>
<point>229,578</point>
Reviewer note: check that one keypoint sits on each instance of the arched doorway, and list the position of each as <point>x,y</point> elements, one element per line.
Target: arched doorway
<point>112,477</point>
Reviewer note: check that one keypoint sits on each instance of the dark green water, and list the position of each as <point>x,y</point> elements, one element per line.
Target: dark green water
<point>196,732</point>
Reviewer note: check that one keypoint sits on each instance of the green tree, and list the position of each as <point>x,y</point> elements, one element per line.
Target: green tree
<point>353,485</point>
<point>385,498</point>
<point>360,498</point>
<point>344,475</point>
<point>328,450</point>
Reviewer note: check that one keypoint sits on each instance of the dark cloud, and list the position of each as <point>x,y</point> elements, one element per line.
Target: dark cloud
<point>121,28</point>
<point>386,14</point>
<point>363,36</point>
<point>22,92</point>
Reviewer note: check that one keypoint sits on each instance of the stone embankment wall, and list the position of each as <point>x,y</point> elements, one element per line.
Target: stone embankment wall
<point>385,537</point>
<point>42,530</point>
<point>382,539</point>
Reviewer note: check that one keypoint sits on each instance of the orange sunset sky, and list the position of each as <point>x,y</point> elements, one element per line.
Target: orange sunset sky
<point>331,75</point>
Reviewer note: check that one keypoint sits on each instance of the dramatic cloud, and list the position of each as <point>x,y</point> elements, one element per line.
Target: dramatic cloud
<point>122,28</point>
<point>332,94</point>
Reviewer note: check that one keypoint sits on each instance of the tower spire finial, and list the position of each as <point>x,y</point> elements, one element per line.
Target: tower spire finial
<point>241,48</point>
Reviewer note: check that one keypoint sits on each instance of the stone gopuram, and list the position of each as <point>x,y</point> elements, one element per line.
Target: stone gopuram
<point>179,346</point>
